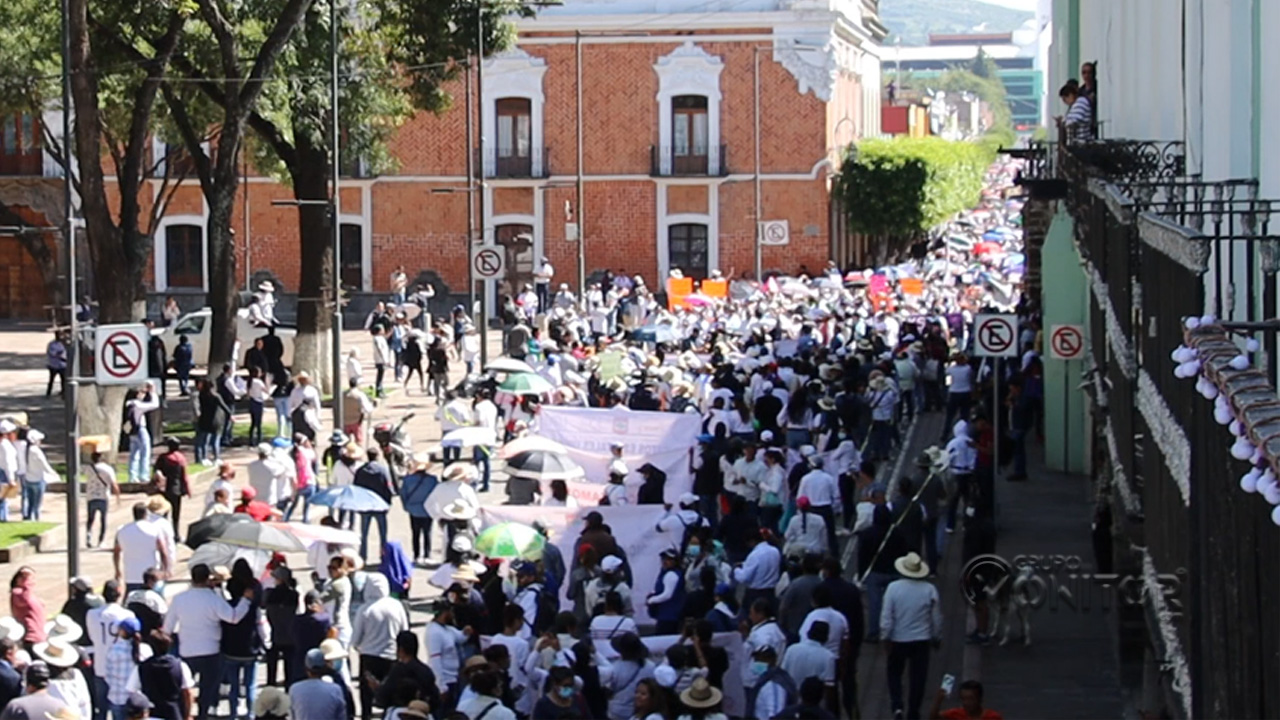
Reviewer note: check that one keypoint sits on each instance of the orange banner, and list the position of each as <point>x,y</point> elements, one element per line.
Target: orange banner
<point>715,288</point>
<point>911,286</point>
<point>677,290</point>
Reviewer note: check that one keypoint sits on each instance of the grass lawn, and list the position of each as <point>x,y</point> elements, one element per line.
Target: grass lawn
<point>240,428</point>
<point>122,469</point>
<point>12,533</point>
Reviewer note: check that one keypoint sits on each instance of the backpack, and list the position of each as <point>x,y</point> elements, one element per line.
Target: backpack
<point>548,607</point>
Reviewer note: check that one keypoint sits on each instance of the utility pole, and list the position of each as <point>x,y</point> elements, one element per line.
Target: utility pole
<point>71,395</point>
<point>471,200</point>
<point>479,190</point>
<point>582,228</point>
<point>759,250</point>
<point>335,206</point>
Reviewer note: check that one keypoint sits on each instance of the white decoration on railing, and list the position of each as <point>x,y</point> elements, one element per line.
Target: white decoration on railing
<point>1249,481</point>
<point>1167,434</point>
<point>1130,501</point>
<point>1241,449</point>
<point>1153,589</point>
<point>1115,334</point>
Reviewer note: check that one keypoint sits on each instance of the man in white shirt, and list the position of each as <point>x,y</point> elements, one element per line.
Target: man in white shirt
<point>910,623</point>
<point>486,415</point>
<point>304,407</point>
<point>806,533</point>
<point>760,571</point>
<point>822,612</point>
<point>748,473</point>
<point>101,625</point>
<point>455,413</point>
<point>139,545</point>
<point>824,495</point>
<point>373,636</point>
<point>962,459</point>
<point>197,615</point>
<point>764,632</point>
<point>810,658</point>
<point>676,524</point>
<point>8,462</point>
<point>528,592</point>
<point>268,476</point>
<point>443,652</point>
<point>542,283</point>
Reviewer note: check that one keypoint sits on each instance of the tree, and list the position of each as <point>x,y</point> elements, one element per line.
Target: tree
<point>983,66</point>
<point>395,56</point>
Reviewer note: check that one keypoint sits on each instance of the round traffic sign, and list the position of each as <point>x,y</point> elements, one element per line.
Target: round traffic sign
<point>1066,342</point>
<point>995,335</point>
<point>775,232</point>
<point>487,263</point>
<point>121,354</point>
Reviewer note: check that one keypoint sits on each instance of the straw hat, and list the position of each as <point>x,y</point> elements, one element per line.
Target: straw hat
<point>911,566</point>
<point>701,695</point>
<point>58,653</point>
<point>332,649</point>
<point>459,471</point>
<point>271,700</point>
<point>158,505</point>
<point>879,383</point>
<point>11,629</point>
<point>826,403</point>
<point>417,709</point>
<point>63,628</point>
<point>458,510</point>
<point>465,574</point>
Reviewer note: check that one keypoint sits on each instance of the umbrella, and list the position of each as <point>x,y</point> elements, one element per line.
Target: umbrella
<point>213,554</point>
<point>260,536</point>
<point>530,442</point>
<point>510,540</point>
<point>472,436</point>
<point>526,384</point>
<point>350,497</point>
<point>508,365</point>
<point>656,333</point>
<point>311,534</point>
<point>544,466</point>
<point>212,527</point>
<point>698,300</point>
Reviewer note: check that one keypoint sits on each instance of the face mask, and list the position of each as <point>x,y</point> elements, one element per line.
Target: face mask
<point>565,691</point>
<point>694,550</point>
<point>758,668</point>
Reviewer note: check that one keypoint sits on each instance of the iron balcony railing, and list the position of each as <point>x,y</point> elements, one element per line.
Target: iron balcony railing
<point>535,163</point>
<point>665,161</point>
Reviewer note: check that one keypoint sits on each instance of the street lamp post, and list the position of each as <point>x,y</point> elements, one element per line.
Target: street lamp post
<point>334,216</point>
<point>759,245</point>
<point>72,393</point>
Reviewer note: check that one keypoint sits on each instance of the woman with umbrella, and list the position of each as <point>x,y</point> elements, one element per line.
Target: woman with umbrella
<point>454,502</point>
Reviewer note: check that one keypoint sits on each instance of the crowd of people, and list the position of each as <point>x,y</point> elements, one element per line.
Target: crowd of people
<point>804,389</point>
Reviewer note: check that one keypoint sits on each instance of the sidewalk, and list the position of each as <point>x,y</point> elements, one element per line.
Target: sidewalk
<point>1071,669</point>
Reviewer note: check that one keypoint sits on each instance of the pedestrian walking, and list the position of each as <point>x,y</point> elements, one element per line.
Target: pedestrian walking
<point>910,626</point>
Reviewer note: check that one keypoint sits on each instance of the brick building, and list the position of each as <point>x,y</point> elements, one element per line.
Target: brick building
<point>668,146</point>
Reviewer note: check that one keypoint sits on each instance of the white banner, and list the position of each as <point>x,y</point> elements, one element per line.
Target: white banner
<point>634,529</point>
<point>664,440</point>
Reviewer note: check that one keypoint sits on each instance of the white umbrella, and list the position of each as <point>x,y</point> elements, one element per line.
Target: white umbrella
<point>469,437</point>
<point>528,443</point>
<point>509,365</point>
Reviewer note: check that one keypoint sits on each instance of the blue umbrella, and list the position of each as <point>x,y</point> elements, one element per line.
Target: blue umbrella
<point>351,498</point>
<point>656,334</point>
<point>992,237</point>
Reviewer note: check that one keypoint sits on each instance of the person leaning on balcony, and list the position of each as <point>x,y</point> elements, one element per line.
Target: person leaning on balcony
<point>1078,122</point>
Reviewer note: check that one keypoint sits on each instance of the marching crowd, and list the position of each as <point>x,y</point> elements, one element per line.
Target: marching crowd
<point>803,388</point>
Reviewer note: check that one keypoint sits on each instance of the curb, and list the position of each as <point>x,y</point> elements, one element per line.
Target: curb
<point>30,546</point>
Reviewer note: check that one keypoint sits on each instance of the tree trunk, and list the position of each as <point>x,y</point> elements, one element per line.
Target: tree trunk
<point>223,298</point>
<point>310,175</point>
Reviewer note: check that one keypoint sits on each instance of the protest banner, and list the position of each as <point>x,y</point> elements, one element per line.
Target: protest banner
<point>661,439</point>
<point>634,529</point>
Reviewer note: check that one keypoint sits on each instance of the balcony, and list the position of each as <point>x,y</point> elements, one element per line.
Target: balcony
<point>665,162</point>
<point>534,165</point>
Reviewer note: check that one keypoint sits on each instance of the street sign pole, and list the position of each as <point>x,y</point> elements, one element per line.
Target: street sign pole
<point>1066,343</point>
<point>488,262</point>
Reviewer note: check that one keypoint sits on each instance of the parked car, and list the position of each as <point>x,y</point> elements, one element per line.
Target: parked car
<point>197,326</point>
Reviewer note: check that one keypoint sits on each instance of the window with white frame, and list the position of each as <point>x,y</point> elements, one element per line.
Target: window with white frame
<point>352,239</point>
<point>689,111</point>
<point>184,256</point>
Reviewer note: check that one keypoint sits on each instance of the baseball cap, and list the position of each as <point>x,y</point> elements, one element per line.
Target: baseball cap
<point>526,568</point>
<point>688,499</point>
<point>136,704</point>
<point>315,659</point>
<point>802,502</point>
<point>248,493</point>
<point>37,671</point>
<point>131,624</point>
<point>671,553</point>
<point>610,564</point>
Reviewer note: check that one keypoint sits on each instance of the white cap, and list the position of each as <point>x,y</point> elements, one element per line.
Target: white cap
<point>7,427</point>
<point>617,467</point>
<point>610,564</point>
<point>34,436</point>
<point>807,450</point>
<point>688,499</point>
<point>766,436</point>
<point>666,676</point>
<point>462,544</point>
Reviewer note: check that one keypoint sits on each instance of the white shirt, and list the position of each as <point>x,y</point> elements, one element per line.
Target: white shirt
<point>837,625</point>
<point>38,467</point>
<point>527,598</point>
<point>747,475</point>
<point>268,478</point>
<point>101,624</point>
<point>765,634</point>
<point>770,701</point>
<point>820,488</point>
<point>139,543</point>
<point>486,414</point>
<point>519,651</point>
<point>354,368</point>
<point>964,456</point>
<point>198,615</point>
<point>9,459</point>
<point>807,531</point>
<point>544,274</point>
<point>617,494</point>
<point>257,390</point>
<point>761,569</point>
<point>442,652</point>
<point>382,351</point>
<point>808,659</point>
<point>911,612</point>
<point>674,524</point>
<point>604,627</point>
<point>670,581</point>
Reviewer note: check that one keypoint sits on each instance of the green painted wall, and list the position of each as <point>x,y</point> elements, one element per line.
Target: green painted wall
<point>1065,301</point>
